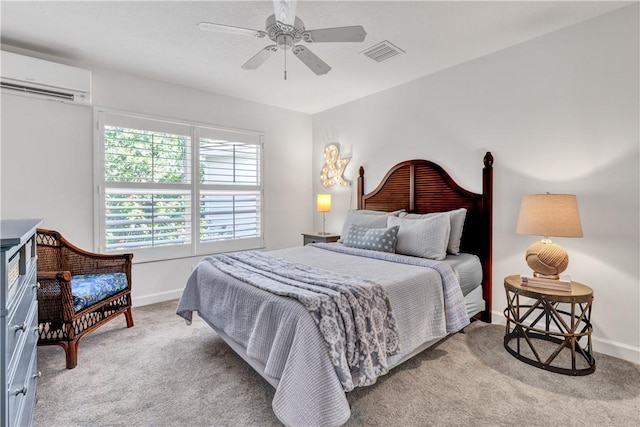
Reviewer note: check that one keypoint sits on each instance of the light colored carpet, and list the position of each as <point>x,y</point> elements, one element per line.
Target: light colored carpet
<point>164,373</point>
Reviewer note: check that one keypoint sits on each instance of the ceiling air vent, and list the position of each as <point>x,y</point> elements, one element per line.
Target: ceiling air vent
<point>382,51</point>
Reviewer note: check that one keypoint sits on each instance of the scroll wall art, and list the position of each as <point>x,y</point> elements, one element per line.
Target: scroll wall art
<point>333,169</point>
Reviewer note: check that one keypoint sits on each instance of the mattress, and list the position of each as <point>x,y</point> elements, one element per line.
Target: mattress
<point>468,270</point>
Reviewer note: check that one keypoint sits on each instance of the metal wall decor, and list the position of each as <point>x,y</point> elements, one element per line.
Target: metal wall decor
<point>333,169</point>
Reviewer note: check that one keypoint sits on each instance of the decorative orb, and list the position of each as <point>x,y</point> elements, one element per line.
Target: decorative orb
<point>547,259</point>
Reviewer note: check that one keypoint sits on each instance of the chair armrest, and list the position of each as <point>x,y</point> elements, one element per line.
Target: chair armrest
<point>55,300</point>
<point>54,275</point>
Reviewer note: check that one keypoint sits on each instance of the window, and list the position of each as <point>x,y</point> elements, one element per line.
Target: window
<point>169,190</point>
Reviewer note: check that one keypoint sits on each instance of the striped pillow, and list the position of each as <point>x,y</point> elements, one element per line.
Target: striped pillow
<point>425,238</point>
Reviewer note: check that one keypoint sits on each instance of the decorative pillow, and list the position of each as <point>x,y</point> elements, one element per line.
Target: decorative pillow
<point>375,239</point>
<point>365,218</point>
<point>456,217</point>
<point>425,238</point>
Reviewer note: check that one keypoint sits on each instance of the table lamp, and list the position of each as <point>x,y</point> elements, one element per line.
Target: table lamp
<point>324,205</point>
<point>548,215</point>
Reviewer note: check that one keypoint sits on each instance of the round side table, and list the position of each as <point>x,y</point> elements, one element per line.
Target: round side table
<point>559,317</point>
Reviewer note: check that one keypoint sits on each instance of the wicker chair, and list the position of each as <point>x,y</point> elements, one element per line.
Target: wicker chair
<point>64,318</point>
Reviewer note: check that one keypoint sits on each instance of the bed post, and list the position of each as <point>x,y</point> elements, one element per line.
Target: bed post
<point>360,186</point>
<point>487,201</point>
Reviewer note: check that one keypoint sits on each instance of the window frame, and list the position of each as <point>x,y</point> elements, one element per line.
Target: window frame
<point>196,130</point>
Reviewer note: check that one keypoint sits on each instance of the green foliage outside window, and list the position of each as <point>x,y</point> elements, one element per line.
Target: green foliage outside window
<point>133,155</point>
<point>142,219</point>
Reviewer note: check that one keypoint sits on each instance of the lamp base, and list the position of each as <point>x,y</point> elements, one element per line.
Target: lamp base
<point>547,259</point>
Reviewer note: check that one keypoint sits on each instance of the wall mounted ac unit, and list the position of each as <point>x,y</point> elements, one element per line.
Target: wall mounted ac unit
<point>44,79</point>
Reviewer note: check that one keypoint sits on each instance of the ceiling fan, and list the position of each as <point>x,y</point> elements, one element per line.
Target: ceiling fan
<point>286,29</point>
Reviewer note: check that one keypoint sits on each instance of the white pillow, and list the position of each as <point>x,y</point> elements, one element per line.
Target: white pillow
<point>365,218</point>
<point>425,237</point>
<point>456,217</point>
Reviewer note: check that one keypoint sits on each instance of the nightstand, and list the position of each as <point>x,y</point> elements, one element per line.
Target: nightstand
<point>317,237</point>
<point>550,329</point>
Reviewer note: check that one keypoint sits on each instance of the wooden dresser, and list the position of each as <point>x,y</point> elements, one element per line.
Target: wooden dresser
<point>18,322</point>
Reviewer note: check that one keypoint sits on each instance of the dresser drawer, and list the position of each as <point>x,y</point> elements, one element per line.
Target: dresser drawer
<point>26,294</point>
<point>22,379</point>
<point>23,404</point>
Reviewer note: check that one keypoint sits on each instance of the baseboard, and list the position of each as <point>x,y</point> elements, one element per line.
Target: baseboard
<point>154,298</point>
<point>616,349</point>
<point>600,345</point>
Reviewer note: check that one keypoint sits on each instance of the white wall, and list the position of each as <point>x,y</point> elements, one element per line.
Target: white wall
<point>560,114</point>
<point>47,164</point>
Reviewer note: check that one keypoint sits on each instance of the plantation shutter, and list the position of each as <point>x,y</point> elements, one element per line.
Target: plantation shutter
<point>153,199</point>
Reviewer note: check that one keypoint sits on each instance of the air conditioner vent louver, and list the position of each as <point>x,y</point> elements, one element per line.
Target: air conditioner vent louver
<point>37,91</point>
<point>382,51</point>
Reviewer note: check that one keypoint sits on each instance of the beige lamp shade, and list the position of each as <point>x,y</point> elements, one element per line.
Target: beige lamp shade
<point>324,203</point>
<point>547,215</point>
<point>554,215</point>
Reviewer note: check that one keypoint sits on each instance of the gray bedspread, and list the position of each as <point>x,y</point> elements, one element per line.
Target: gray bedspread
<point>354,314</point>
<point>280,334</point>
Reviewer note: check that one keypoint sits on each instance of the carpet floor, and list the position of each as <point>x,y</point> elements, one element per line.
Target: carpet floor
<point>164,373</point>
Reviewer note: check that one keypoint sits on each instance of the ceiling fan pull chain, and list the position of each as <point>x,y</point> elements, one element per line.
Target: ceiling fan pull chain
<point>285,64</point>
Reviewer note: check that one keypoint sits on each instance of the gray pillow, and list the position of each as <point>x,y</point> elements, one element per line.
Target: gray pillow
<point>365,218</point>
<point>424,238</point>
<point>375,239</point>
<point>372,212</point>
<point>456,217</point>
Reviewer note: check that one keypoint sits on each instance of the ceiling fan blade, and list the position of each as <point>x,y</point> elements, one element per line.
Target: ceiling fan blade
<point>355,33</point>
<point>210,26</point>
<point>310,59</point>
<point>260,58</point>
<point>285,11</point>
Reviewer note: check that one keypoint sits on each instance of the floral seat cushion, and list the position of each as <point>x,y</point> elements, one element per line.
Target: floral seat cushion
<point>88,289</point>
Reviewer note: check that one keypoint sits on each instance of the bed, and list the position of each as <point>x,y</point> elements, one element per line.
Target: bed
<point>376,308</point>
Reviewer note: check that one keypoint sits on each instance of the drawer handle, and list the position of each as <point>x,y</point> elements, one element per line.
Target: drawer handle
<point>20,327</point>
<point>22,391</point>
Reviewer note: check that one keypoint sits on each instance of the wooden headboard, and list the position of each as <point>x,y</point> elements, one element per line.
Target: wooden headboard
<point>421,186</point>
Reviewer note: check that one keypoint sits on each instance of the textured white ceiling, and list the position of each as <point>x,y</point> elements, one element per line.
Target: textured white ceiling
<point>160,40</point>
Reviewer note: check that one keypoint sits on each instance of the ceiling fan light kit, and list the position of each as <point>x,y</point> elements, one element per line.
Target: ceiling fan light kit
<point>287,30</point>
